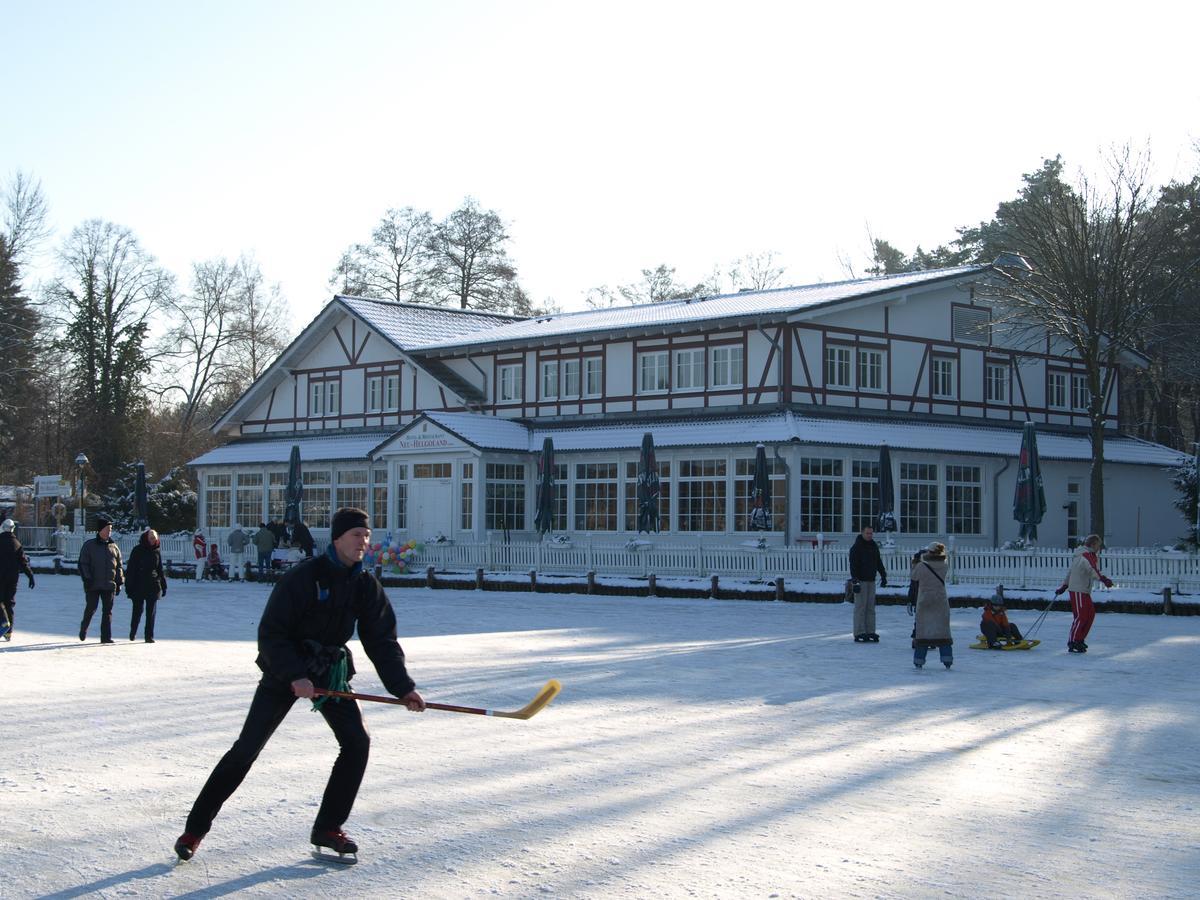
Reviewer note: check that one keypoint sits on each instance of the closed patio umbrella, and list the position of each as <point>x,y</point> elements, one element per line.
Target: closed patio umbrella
<point>295,488</point>
<point>647,487</point>
<point>886,520</point>
<point>141,499</point>
<point>1029,500</point>
<point>543,520</point>
<point>760,493</point>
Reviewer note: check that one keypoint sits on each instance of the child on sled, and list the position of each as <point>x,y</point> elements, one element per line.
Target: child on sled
<point>994,625</point>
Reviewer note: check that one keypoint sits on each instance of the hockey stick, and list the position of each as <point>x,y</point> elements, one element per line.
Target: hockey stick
<point>528,711</point>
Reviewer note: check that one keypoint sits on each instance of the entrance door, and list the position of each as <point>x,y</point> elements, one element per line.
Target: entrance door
<point>432,508</point>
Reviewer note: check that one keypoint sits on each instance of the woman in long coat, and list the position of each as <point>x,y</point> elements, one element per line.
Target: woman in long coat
<point>145,582</point>
<point>933,606</point>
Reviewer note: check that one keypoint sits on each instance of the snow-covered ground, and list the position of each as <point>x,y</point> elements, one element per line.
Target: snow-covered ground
<point>699,748</point>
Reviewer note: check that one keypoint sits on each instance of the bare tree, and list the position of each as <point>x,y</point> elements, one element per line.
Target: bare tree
<point>395,264</point>
<point>1094,257</point>
<point>26,216</point>
<point>756,272</point>
<point>260,331</point>
<point>470,260</point>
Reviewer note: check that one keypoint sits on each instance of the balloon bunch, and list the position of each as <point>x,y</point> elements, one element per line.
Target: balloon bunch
<point>394,557</point>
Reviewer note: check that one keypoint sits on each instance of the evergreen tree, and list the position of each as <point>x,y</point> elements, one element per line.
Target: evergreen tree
<point>18,371</point>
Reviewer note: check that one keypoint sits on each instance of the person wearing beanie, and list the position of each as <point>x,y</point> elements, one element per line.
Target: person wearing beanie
<point>145,582</point>
<point>312,612</point>
<point>100,568</point>
<point>13,563</point>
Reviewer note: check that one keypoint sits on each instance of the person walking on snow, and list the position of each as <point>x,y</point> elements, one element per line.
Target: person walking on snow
<point>145,582</point>
<point>1084,572</point>
<point>100,569</point>
<point>865,562</point>
<point>932,627</point>
<point>310,615</point>
<point>13,563</point>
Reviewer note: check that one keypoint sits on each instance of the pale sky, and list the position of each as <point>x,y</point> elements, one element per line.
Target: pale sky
<point>611,137</point>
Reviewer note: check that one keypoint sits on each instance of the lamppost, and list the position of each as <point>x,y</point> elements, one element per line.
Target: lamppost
<point>81,460</point>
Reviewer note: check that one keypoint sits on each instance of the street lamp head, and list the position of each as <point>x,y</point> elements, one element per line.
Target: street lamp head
<point>81,460</point>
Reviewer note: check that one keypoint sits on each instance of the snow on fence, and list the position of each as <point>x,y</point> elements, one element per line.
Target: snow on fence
<point>1036,568</point>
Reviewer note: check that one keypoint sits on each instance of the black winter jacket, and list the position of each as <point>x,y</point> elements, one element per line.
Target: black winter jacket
<point>100,565</point>
<point>144,577</point>
<point>314,609</point>
<point>865,561</point>
<point>12,559</point>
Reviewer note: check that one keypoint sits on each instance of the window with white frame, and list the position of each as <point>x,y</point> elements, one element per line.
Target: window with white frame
<point>995,383</point>
<point>391,392</point>
<point>504,497</point>
<point>316,398</point>
<point>1081,397</point>
<point>276,495</point>
<point>333,397</point>
<point>593,376</point>
<point>664,496</point>
<point>837,366</point>
<point>560,519</point>
<point>689,370</point>
<point>550,380</point>
<point>821,495</point>
<point>570,378</point>
<point>918,498</point>
<point>432,470</point>
<point>379,499</point>
<point>401,497</point>
<point>702,490</point>
<point>943,384</point>
<point>510,383</point>
<point>315,504</point>
<point>351,488</point>
<point>217,490</point>
<point>466,497</point>
<point>726,367</point>
<point>596,497</point>
<point>249,507</point>
<point>375,394</point>
<point>743,490</point>
<point>870,370</point>
<point>653,372</point>
<point>864,493</point>
<point>1056,390</point>
<point>964,500</point>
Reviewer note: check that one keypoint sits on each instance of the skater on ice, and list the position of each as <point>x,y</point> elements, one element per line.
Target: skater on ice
<point>100,569</point>
<point>311,614</point>
<point>865,562</point>
<point>13,563</point>
<point>932,626</point>
<point>1083,574</point>
<point>145,582</point>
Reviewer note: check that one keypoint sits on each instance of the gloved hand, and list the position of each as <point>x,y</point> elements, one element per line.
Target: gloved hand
<point>883,581</point>
<point>31,581</point>
<point>1106,581</point>
<point>1060,591</point>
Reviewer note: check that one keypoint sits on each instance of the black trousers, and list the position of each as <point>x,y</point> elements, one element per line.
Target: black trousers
<point>151,605</point>
<point>270,705</point>
<point>991,631</point>
<point>8,600</point>
<point>104,599</point>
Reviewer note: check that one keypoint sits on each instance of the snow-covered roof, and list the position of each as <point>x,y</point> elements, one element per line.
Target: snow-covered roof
<point>313,448</point>
<point>743,305</point>
<point>414,325</point>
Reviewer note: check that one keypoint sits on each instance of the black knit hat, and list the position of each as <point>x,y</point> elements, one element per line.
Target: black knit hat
<point>346,518</point>
<point>102,522</point>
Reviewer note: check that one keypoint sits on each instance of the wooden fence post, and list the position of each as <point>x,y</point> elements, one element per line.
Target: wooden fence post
<point>1168,604</point>
<point>779,592</point>
<point>715,591</point>
<point>479,579</point>
<point>429,577</point>
<point>591,582</point>
<point>652,579</point>
<point>533,580</point>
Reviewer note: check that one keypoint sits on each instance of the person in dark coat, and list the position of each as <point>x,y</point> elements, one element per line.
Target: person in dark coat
<point>280,531</point>
<point>13,563</point>
<point>264,543</point>
<point>145,582</point>
<point>865,562</point>
<point>311,614</point>
<point>302,538</point>
<point>100,569</point>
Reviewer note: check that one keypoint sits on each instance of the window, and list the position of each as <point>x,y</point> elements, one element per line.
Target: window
<point>942,379</point>
<point>1081,397</point>
<point>864,493</point>
<point>971,324</point>
<point>570,378</point>
<point>379,499</point>
<point>249,499</point>
<point>870,370</point>
<point>216,500</point>
<point>314,506</point>
<point>821,495</point>
<point>837,367</point>
<point>510,384</point>
<point>726,367</point>
<point>550,380</point>
<point>432,470</point>
<point>1074,497</point>
<point>374,394</point>
<point>743,487</point>
<point>401,497</point>
<point>918,498</point>
<point>316,398</point>
<point>1056,390</point>
<point>996,383</point>
<point>653,373</point>
<point>702,493</point>
<point>689,370</point>
<point>593,379</point>
<point>333,397</point>
<point>467,496</point>
<point>964,500</point>
<point>351,488</point>
<point>391,393</point>
<point>504,497</point>
<point>560,520</point>
<point>664,496</point>
<point>596,497</point>
<point>276,495</point>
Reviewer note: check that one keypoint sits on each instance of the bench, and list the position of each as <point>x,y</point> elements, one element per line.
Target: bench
<point>184,570</point>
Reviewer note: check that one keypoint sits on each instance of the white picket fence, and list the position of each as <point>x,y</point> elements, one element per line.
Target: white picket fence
<point>1038,568</point>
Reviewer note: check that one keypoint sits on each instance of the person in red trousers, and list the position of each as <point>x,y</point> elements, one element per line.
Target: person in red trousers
<point>1084,572</point>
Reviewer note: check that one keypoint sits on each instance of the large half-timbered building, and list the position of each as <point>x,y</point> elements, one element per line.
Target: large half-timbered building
<point>431,417</point>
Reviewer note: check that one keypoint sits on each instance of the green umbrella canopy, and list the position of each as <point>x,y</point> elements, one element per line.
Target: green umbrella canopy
<point>1029,500</point>
<point>544,519</point>
<point>648,489</point>
<point>295,488</point>
<point>760,493</point>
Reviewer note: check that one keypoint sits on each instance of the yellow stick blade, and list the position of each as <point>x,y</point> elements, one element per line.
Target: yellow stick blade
<point>537,704</point>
